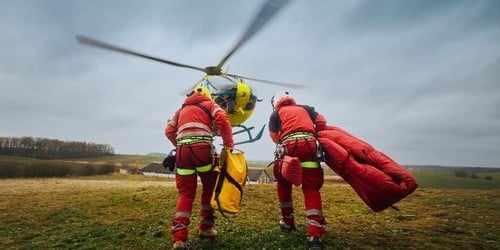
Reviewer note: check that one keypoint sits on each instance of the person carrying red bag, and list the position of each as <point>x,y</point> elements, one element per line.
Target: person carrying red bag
<point>293,128</point>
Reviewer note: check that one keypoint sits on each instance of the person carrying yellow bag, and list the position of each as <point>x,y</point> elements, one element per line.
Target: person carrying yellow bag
<point>190,131</point>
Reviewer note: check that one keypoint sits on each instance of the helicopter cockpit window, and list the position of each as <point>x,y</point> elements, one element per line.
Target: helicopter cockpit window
<point>251,103</point>
<point>223,91</point>
<point>226,100</point>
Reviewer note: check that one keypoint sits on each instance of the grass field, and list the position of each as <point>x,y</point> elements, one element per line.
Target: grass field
<point>134,212</point>
<point>447,180</point>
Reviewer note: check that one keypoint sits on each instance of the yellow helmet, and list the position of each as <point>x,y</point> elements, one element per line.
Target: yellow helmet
<point>202,91</point>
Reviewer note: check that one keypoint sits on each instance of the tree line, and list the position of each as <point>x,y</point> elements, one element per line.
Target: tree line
<point>43,148</point>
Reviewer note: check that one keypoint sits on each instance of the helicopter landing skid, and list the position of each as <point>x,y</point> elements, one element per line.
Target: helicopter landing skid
<point>248,131</point>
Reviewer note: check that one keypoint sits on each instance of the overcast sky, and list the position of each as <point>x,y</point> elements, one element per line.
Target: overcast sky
<point>419,80</point>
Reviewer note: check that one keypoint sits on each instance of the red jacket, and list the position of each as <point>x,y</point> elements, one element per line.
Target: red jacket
<point>293,118</point>
<point>192,120</point>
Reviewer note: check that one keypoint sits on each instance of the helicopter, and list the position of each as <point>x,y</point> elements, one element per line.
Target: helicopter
<point>230,91</point>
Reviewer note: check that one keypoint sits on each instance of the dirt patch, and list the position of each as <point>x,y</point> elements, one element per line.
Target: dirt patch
<point>55,184</point>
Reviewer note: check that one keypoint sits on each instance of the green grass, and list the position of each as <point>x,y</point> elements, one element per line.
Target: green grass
<point>447,179</point>
<point>135,212</point>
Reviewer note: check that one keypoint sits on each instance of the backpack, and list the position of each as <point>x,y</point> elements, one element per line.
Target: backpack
<point>291,169</point>
<point>232,176</point>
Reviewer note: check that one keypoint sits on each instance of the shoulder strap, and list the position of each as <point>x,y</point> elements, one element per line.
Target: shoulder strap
<point>310,111</point>
<point>205,110</point>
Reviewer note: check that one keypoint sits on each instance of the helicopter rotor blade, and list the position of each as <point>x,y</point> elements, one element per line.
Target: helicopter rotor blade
<point>102,45</point>
<point>289,85</point>
<point>268,10</point>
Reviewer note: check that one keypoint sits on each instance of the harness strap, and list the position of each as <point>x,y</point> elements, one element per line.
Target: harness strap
<point>297,135</point>
<point>188,140</point>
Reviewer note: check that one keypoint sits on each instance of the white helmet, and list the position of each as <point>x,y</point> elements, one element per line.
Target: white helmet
<point>282,98</point>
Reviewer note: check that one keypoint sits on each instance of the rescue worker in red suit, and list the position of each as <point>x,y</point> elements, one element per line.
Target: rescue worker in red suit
<point>293,128</point>
<point>190,131</point>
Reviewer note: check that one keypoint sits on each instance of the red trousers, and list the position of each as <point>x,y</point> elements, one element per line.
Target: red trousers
<point>312,181</point>
<point>191,157</point>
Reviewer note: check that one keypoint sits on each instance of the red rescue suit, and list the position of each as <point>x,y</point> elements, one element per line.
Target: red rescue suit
<point>294,127</point>
<point>190,131</point>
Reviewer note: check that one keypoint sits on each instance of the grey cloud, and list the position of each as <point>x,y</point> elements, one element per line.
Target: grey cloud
<point>418,80</point>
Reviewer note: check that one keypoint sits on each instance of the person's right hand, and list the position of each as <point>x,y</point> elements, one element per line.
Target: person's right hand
<point>223,154</point>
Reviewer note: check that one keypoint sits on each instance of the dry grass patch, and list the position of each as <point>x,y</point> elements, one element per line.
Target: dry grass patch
<point>134,212</point>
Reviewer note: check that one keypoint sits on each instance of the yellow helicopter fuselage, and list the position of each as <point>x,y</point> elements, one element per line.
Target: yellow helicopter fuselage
<point>235,96</point>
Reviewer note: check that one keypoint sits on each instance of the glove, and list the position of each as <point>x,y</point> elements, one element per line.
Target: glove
<point>223,155</point>
<point>169,161</point>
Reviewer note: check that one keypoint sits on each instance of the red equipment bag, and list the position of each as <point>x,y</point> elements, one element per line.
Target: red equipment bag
<point>376,178</point>
<point>291,169</point>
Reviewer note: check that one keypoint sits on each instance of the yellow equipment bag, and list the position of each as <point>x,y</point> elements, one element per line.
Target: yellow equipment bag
<point>232,177</point>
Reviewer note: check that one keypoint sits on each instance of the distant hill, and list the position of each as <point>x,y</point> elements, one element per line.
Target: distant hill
<point>451,168</point>
<point>157,154</point>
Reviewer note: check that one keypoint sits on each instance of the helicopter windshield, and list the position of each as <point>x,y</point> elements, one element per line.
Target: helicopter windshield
<point>223,90</point>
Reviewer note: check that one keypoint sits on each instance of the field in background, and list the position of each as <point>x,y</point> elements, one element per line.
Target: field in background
<point>448,180</point>
<point>134,212</point>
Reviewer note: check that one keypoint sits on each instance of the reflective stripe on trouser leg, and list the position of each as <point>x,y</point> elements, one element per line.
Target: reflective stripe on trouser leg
<point>185,171</point>
<point>180,225</point>
<point>315,222</point>
<point>312,181</point>
<point>204,169</point>
<point>287,212</point>
<point>188,171</point>
<point>284,192</point>
<point>207,219</point>
<point>314,212</point>
<point>182,214</point>
<point>186,186</point>
<point>208,180</point>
